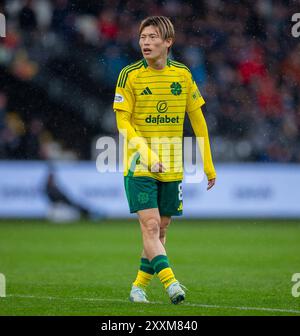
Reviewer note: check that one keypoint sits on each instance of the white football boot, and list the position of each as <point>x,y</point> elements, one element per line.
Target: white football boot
<point>176,293</point>
<point>137,294</point>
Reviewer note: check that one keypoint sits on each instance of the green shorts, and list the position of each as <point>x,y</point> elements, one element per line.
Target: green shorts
<point>146,193</point>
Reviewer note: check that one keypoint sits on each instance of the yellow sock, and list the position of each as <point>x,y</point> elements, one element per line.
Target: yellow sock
<point>143,279</point>
<point>167,277</point>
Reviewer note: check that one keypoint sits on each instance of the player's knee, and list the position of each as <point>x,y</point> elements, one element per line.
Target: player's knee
<point>151,227</point>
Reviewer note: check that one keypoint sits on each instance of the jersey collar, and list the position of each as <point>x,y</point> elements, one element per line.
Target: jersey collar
<point>146,64</point>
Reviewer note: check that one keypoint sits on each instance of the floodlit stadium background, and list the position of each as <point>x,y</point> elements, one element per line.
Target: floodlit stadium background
<point>59,64</point>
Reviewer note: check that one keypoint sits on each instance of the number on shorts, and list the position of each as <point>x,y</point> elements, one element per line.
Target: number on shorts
<point>180,191</point>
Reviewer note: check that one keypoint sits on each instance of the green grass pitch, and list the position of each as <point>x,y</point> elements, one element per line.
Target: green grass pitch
<point>239,267</point>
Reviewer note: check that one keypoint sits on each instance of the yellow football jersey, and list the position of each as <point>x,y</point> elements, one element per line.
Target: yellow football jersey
<point>157,101</point>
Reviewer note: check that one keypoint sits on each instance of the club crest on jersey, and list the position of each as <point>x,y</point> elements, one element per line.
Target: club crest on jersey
<point>118,98</point>
<point>176,89</point>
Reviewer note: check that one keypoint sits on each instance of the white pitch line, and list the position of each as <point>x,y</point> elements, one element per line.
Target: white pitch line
<point>155,302</point>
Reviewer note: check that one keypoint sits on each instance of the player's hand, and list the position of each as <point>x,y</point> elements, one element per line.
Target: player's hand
<point>158,168</point>
<point>211,183</point>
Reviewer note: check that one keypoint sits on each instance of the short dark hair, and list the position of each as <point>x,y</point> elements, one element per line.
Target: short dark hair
<point>164,25</point>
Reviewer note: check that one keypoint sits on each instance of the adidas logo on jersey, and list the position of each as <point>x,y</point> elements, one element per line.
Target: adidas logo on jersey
<point>146,91</point>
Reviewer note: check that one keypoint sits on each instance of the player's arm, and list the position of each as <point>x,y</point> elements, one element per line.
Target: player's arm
<point>200,129</point>
<point>127,130</point>
<point>194,103</point>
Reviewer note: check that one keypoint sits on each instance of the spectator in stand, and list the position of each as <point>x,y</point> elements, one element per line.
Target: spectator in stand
<point>27,18</point>
<point>107,25</point>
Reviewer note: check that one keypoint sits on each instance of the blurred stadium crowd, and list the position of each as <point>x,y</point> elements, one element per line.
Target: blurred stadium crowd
<point>60,60</point>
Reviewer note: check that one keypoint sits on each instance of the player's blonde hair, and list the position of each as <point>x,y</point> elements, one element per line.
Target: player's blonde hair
<point>164,25</point>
